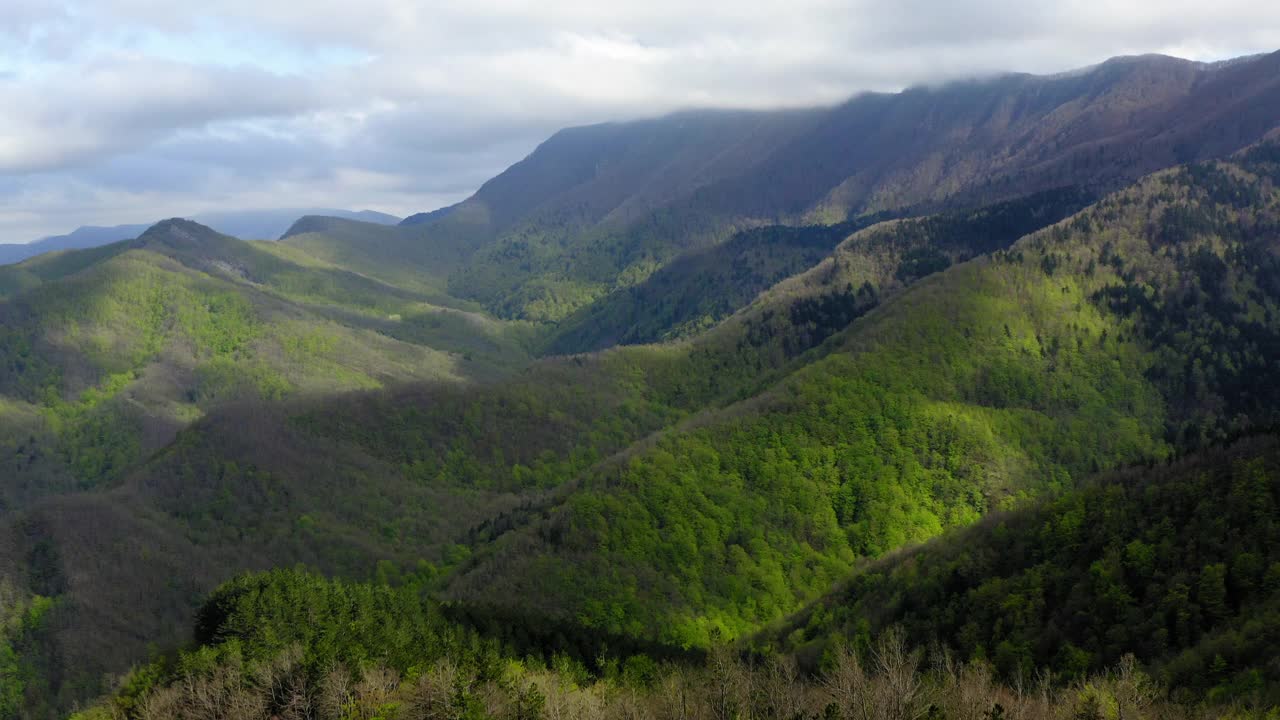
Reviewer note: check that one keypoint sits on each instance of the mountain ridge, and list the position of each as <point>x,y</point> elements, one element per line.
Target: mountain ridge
<point>597,208</point>
<point>252,224</point>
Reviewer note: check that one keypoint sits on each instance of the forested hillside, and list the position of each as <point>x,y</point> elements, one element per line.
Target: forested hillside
<point>107,353</point>
<point>699,289</point>
<point>291,645</point>
<point>997,380</point>
<point>1177,563</point>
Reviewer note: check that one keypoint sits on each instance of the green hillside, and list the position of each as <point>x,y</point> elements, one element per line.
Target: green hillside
<point>1178,564</point>
<point>948,396</point>
<point>699,289</point>
<point>997,380</point>
<point>291,645</point>
<point>409,257</point>
<point>107,353</point>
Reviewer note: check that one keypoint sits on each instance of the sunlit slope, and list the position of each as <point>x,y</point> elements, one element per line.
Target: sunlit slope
<point>996,380</point>
<point>1178,563</point>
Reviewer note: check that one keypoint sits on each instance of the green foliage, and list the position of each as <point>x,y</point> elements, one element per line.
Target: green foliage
<point>1167,562</point>
<point>121,346</point>
<point>288,644</point>
<point>22,618</point>
<point>258,616</point>
<point>1213,325</point>
<point>861,452</point>
<point>673,493</point>
<point>409,258</point>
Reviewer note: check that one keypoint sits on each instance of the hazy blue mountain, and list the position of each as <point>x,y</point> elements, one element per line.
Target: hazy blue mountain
<point>271,224</point>
<point>247,224</point>
<point>78,239</point>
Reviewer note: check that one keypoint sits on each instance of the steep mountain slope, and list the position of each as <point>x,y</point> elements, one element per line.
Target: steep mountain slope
<point>998,379</point>
<point>600,208</point>
<point>1178,563</point>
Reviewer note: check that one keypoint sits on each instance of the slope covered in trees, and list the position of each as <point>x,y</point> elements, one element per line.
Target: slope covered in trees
<point>291,645</point>
<point>997,380</point>
<point>106,353</point>
<point>699,289</point>
<point>1177,563</point>
<point>992,382</point>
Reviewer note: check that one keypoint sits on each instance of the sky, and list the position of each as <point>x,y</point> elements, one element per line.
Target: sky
<point>122,111</point>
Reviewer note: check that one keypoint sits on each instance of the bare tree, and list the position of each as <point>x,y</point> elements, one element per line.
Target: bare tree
<point>902,690</point>
<point>849,687</point>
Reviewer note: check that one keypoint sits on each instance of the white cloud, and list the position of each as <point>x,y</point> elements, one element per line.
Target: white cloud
<point>121,106</point>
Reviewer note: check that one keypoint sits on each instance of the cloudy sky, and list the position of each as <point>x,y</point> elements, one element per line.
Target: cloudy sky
<point>119,111</point>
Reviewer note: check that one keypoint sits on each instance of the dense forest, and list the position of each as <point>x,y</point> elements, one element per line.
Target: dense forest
<point>292,645</point>
<point>1176,563</point>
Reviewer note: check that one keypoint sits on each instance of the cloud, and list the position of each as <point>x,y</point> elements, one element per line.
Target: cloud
<point>78,114</point>
<point>158,108</point>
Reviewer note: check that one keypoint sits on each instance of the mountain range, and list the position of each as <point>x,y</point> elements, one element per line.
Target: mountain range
<point>253,224</point>
<point>987,366</point>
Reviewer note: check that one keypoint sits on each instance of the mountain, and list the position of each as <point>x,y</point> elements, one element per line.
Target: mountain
<point>802,342</point>
<point>78,239</point>
<point>256,224</point>
<point>698,289</point>
<point>271,224</point>
<point>982,387</point>
<point>403,255</point>
<point>1098,341</point>
<point>889,420</point>
<point>597,209</point>
<point>1176,562</point>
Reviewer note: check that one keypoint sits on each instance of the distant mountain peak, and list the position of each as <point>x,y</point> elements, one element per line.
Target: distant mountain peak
<point>426,217</point>
<point>314,224</point>
<point>179,234</point>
